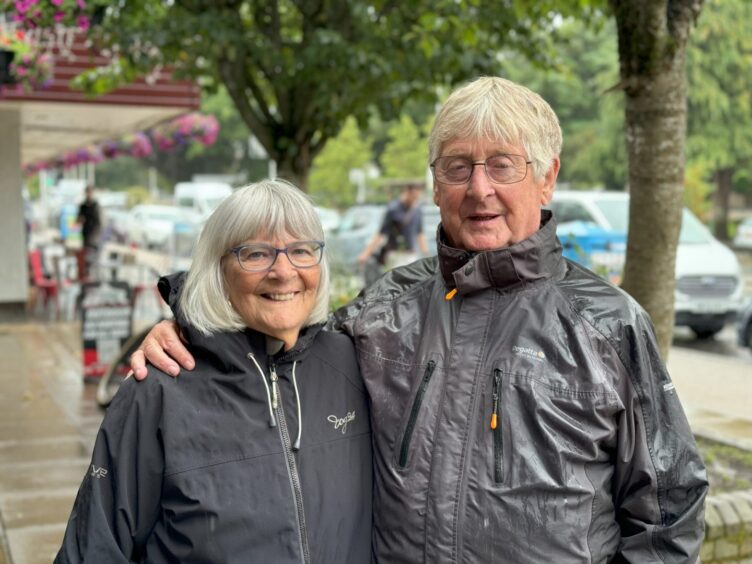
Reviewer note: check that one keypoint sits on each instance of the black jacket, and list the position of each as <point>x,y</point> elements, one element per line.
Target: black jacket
<point>591,458</point>
<point>189,469</point>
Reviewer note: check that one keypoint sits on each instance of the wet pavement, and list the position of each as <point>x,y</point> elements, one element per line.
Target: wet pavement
<point>49,418</point>
<point>48,421</point>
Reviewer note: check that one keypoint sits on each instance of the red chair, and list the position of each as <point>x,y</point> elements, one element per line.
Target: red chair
<point>46,287</point>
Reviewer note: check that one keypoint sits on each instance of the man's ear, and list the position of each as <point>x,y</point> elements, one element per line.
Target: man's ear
<point>435,194</point>
<point>549,181</point>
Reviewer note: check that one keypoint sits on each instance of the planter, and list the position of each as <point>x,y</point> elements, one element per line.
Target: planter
<point>6,58</point>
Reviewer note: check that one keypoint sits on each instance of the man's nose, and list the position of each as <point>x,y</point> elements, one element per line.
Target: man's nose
<point>479,185</point>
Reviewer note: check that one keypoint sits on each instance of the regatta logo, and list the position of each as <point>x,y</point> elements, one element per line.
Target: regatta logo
<point>98,472</point>
<point>529,353</point>
<point>341,422</point>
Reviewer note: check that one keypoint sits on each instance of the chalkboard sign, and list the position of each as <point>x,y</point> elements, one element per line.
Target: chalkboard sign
<point>106,321</point>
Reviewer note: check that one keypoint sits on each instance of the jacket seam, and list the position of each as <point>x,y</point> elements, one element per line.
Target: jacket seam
<point>360,387</point>
<point>640,392</point>
<point>252,457</point>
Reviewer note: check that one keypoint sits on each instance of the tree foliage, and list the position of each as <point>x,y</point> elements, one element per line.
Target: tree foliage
<point>296,69</point>
<point>330,181</point>
<point>404,156</point>
<point>720,101</point>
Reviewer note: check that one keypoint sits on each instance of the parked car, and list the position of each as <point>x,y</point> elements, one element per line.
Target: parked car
<point>201,197</point>
<point>708,276</point>
<point>153,226</point>
<point>358,225</point>
<point>744,326</point>
<point>743,237</point>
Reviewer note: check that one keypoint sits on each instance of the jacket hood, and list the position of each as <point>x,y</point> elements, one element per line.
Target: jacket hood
<point>535,258</point>
<point>226,351</point>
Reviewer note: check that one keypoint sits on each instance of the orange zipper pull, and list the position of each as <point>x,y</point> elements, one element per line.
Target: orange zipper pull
<point>493,420</point>
<point>450,294</point>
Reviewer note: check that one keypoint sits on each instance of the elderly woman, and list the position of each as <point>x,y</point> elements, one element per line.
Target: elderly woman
<point>263,452</point>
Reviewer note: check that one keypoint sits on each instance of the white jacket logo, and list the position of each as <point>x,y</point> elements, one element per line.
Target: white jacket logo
<point>341,421</point>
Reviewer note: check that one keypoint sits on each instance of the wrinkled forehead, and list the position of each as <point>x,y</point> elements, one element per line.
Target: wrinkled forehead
<point>479,147</point>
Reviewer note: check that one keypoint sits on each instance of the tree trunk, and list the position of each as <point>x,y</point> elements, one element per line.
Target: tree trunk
<point>652,44</point>
<point>294,165</point>
<point>722,195</point>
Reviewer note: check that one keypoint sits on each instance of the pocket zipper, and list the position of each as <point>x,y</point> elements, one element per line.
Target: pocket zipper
<point>405,447</point>
<point>496,427</point>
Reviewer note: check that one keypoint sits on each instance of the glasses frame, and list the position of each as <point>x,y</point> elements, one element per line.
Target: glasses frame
<point>477,163</point>
<point>277,251</point>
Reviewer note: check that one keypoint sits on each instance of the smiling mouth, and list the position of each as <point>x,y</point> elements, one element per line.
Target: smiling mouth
<point>280,297</point>
<point>482,217</point>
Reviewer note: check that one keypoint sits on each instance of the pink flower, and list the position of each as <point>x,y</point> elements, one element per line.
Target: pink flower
<point>56,3</point>
<point>81,4</point>
<point>59,16</point>
<point>83,23</point>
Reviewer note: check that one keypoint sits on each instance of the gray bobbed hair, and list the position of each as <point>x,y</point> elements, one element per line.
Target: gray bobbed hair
<point>266,209</point>
<point>499,110</point>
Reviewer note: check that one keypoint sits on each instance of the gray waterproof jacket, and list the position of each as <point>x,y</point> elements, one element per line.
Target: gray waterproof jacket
<point>529,418</point>
<point>205,467</point>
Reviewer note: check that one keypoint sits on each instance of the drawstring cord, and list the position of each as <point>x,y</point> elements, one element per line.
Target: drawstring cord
<point>296,446</point>
<point>272,419</point>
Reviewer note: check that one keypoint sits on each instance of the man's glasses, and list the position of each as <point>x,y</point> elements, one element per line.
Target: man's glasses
<point>502,169</point>
<point>258,257</point>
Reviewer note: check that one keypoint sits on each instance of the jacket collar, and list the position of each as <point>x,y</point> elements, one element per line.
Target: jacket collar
<point>536,258</point>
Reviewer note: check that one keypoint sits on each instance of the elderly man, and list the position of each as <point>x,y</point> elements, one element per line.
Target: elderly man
<point>520,408</point>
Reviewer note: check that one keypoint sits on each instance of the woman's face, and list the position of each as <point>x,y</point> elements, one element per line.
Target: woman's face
<point>278,301</point>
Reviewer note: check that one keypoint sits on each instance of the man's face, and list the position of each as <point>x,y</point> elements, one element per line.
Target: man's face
<point>481,214</point>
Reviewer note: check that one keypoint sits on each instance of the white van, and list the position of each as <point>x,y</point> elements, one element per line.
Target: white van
<point>202,197</point>
<point>709,283</point>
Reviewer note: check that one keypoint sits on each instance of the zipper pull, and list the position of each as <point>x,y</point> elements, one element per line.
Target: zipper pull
<point>275,388</point>
<point>495,399</point>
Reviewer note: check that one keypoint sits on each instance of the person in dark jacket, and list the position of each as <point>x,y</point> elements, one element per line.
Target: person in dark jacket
<point>90,219</point>
<point>262,454</point>
<point>521,411</point>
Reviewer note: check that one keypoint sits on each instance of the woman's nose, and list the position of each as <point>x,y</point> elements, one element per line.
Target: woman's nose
<point>282,267</point>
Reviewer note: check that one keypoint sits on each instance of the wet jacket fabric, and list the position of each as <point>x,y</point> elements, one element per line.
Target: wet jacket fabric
<point>527,419</point>
<point>190,469</point>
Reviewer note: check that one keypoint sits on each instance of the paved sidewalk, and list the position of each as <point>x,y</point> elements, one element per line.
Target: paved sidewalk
<point>48,421</point>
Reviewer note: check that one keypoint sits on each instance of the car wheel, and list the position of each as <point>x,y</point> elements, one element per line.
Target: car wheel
<point>706,331</point>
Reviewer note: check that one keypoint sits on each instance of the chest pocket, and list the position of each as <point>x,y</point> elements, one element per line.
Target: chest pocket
<point>544,434</point>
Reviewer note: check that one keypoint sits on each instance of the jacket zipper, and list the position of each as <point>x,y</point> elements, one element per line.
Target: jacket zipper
<point>496,427</point>
<point>291,464</point>
<point>405,448</point>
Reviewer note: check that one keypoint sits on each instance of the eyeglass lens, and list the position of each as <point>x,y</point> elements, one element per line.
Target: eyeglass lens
<point>504,169</point>
<point>302,254</point>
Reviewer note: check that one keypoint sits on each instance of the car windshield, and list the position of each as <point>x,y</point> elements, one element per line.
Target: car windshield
<point>616,213</point>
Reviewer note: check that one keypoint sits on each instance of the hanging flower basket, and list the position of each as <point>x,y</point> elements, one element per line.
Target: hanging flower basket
<point>22,63</point>
<point>183,130</point>
<point>33,14</point>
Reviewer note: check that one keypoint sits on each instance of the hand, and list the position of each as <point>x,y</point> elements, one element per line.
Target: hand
<point>164,349</point>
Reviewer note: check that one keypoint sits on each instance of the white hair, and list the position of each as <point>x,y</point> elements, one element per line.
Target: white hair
<point>497,109</point>
<point>268,208</point>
